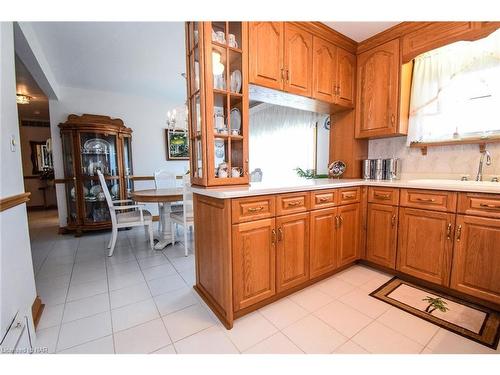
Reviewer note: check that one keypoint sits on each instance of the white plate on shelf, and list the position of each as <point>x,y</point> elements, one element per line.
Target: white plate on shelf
<point>235,118</point>
<point>236,81</point>
<point>114,190</point>
<point>96,189</point>
<point>97,146</point>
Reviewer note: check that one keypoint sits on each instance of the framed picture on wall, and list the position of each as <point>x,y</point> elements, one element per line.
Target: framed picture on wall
<point>177,145</point>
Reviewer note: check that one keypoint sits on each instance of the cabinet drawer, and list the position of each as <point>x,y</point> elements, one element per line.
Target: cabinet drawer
<point>479,204</point>
<point>252,208</point>
<point>323,198</point>
<point>292,203</point>
<point>383,196</point>
<point>429,199</point>
<point>349,195</point>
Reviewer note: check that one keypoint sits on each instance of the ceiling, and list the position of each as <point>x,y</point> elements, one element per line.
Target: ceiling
<point>136,58</point>
<point>38,109</point>
<point>359,31</point>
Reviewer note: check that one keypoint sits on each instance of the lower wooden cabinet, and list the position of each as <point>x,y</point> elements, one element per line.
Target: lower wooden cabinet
<point>254,262</point>
<point>322,238</point>
<point>348,229</point>
<point>425,244</point>
<point>292,251</point>
<point>382,234</point>
<point>476,257</point>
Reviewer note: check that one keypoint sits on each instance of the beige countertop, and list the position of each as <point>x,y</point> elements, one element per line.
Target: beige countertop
<point>261,188</point>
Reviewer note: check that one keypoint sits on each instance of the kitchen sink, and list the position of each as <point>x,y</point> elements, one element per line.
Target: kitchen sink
<point>458,183</point>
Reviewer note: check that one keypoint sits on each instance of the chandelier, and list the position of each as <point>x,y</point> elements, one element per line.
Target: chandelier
<point>23,99</point>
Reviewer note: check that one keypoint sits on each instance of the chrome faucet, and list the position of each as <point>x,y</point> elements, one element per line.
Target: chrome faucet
<point>484,153</point>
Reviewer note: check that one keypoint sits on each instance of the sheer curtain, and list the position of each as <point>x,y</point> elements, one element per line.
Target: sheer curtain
<point>456,91</point>
<point>281,139</point>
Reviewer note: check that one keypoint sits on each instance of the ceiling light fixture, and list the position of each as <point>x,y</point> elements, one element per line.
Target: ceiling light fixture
<point>23,99</point>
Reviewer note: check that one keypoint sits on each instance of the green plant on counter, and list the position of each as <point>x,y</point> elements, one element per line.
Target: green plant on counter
<point>309,173</point>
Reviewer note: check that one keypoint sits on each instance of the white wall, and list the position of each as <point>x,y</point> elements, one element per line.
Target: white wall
<point>440,162</point>
<point>17,284</point>
<point>146,117</point>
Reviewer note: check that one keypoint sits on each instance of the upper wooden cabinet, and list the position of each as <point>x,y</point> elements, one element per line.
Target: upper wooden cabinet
<point>265,50</point>
<point>298,60</point>
<point>334,72</point>
<point>378,75</point>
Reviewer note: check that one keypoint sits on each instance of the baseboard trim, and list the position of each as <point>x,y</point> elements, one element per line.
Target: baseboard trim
<point>37,310</point>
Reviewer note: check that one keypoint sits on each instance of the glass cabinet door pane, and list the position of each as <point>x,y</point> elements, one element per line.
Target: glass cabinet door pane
<point>96,207</point>
<point>67,146</point>
<point>219,67</point>
<point>98,153</point>
<point>71,202</point>
<point>127,162</point>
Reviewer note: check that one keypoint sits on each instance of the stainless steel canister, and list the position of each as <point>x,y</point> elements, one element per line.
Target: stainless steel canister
<point>367,169</point>
<point>379,169</point>
<point>392,169</point>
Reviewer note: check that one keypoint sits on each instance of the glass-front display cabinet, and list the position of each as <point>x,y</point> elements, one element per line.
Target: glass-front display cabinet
<point>91,143</point>
<point>217,77</point>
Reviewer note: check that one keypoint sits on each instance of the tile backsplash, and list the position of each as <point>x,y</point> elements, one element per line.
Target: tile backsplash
<point>440,162</point>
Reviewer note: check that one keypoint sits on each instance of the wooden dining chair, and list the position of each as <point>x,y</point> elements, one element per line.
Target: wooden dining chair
<point>186,217</point>
<point>138,217</point>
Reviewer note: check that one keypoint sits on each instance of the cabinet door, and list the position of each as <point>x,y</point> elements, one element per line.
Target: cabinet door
<point>425,244</point>
<point>292,251</point>
<point>324,70</point>
<point>322,241</point>
<point>349,227</point>
<point>346,78</point>
<point>476,258</point>
<point>377,91</point>
<point>298,60</point>
<point>381,243</point>
<point>266,54</point>
<point>254,262</point>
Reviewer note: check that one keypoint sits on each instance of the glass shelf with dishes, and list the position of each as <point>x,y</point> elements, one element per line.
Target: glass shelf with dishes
<point>96,208</point>
<point>98,152</point>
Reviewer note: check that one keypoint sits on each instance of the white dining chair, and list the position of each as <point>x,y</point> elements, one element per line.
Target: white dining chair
<point>164,179</point>
<point>136,218</point>
<point>186,217</point>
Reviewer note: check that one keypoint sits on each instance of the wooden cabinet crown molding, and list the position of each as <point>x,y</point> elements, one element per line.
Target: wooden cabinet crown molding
<point>13,200</point>
<point>89,122</point>
<point>331,35</point>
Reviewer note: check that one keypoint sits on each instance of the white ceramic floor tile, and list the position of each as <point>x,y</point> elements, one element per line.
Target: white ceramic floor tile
<point>377,338</point>
<point>188,321</point>
<point>335,287</point>
<point>52,296</point>
<point>374,283</point>
<point>86,275</point>
<point>46,340</point>
<point>276,344</point>
<point>134,314</point>
<point>84,330</point>
<point>51,316</point>
<point>100,346</point>
<point>176,300</point>
<point>160,271</point>
<point>169,349</point>
<point>358,275</point>
<point>122,268</point>
<point>209,341</point>
<point>152,261</point>
<point>189,276</point>
<point>128,295</point>
<point>166,284</point>
<point>350,347</point>
<point>86,307</point>
<point>446,342</point>
<point>123,280</point>
<point>79,291</point>
<point>284,312</point>
<point>311,299</point>
<point>117,258</point>
<point>343,318</point>
<point>183,263</point>
<point>363,302</point>
<point>142,339</point>
<point>409,325</point>
<point>314,336</point>
<point>249,330</point>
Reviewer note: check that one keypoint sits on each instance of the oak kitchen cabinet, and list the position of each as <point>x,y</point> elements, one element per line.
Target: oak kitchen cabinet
<point>323,241</point>
<point>382,232</point>
<point>348,229</point>
<point>334,72</point>
<point>378,74</point>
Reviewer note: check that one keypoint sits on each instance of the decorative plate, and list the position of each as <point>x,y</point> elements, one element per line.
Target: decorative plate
<point>236,81</point>
<point>114,190</point>
<point>97,146</point>
<point>96,189</point>
<point>337,168</point>
<point>235,118</point>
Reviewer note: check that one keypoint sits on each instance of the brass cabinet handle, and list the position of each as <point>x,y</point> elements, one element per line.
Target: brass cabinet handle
<point>493,206</point>
<point>324,199</point>
<point>459,233</point>
<point>337,222</point>
<point>280,234</point>
<point>341,220</point>
<point>349,196</point>
<point>287,75</point>
<point>393,220</point>
<point>338,90</point>
<point>382,196</point>
<point>448,231</point>
<point>425,199</point>
<point>294,203</point>
<point>255,209</point>
<point>283,74</point>
<point>273,236</point>
<point>393,119</point>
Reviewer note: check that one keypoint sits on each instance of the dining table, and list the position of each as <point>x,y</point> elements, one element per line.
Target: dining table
<point>164,198</point>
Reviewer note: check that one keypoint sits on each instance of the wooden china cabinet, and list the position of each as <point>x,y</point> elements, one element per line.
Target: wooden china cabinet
<point>217,76</point>
<point>91,143</point>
